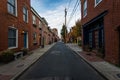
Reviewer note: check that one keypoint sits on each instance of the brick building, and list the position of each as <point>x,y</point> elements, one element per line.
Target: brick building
<point>55,34</point>
<point>22,27</point>
<point>101,27</point>
<point>36,30</point>
<point>15,17</point>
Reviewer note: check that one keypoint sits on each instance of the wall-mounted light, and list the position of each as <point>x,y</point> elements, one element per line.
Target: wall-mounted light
<point>39,36</point>
<point>23,31</point>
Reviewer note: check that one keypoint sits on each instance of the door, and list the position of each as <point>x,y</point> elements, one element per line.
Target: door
<point>25,40</point>
<point>40,40</point>
<point>96,39</point>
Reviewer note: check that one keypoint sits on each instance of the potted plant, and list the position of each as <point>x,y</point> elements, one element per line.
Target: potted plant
<point>6,56</point>
<point>25,51</point>
<point>87,48</point>
<point>100,52</point>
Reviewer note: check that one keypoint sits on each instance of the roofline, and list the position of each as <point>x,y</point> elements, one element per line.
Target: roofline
<point>33,10</point>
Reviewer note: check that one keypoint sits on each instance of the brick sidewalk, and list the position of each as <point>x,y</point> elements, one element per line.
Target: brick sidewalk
<point>109,71</point>
<point>90,56</point>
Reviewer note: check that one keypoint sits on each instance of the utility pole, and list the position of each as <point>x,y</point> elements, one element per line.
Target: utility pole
<point>65,25</point>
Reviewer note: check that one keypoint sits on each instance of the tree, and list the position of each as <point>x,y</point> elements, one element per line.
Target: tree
<point>64,32</point>
<point>79,28</point>
<point>76,31</point>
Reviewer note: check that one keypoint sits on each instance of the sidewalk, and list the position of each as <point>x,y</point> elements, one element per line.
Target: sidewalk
<point>13,69</point>
<point>106,69</point>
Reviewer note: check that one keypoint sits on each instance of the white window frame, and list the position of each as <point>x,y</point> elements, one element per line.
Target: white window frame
<point>34,19</point>
<point>40,25</point>
<point>85,8</point>
<point>16,38</point>
<point>26,15</point>
<point>27,41</point>
<point>34,37</point>
<point>15,8</point>
<point>97,3</point>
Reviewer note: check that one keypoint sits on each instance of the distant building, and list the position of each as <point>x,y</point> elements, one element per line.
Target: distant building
<point>55,35</point>
<point>101,27</point>
<point>55,31</point>
<point>36,30</point>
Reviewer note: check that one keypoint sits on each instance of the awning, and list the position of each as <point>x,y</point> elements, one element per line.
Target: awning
<point>96,18</point>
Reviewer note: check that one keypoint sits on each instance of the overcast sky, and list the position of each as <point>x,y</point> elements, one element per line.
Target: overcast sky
<point>53,11</point>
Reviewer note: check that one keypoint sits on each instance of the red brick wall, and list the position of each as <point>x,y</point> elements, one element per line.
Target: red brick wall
<point>35,29</point>
<point>111,22</point>
<point>7,20</point>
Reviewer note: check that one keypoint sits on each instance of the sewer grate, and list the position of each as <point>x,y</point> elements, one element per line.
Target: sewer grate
<point>118,75</point>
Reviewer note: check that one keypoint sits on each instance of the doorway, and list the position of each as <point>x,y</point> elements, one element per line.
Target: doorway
<point>25,40</point>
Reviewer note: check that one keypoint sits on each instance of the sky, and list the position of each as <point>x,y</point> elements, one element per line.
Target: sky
<point>53,12</point>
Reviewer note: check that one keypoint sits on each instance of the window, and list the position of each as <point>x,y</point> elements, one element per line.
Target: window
<point>12,7</point>
<point>25,14</point>
<point>90,39</point>
<point>85,8</point>
<point>34,37</point>
<point>97,2</point>
<point>34,19</point>
<point>40,26</point>
<point>12,38</point>
<point>96,38</point>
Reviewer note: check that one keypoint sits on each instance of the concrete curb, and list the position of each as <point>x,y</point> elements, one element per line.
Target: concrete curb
<point>92,66</point>
<point>26,68</point>
<point>89,64</point>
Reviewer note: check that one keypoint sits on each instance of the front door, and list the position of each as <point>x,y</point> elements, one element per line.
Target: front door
<point>25,40</point>
<point>40,40</point>
<point>96,39</point>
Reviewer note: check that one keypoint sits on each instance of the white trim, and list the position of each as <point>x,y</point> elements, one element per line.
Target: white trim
<point>16,8</point>
<point>85,3</point>
<point>27,43</point>
<point>33,19</point>
<point>97,3</point>
<point>27,16</point>
<point>34,12</point>
<point>16,14</point>
<point>16,38</point>
<point>27,39</point>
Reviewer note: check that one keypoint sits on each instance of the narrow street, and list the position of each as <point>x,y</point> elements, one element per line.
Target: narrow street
<point>60,63</point>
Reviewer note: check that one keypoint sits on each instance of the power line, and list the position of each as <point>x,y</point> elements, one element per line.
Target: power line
<point>69,4</point>
<point>73,11</point>
<point>75,6</point>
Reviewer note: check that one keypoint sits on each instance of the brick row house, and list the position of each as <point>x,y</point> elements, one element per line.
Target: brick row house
<point>101,27</point>
<point>21,26</point>
<point>55,33</point>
